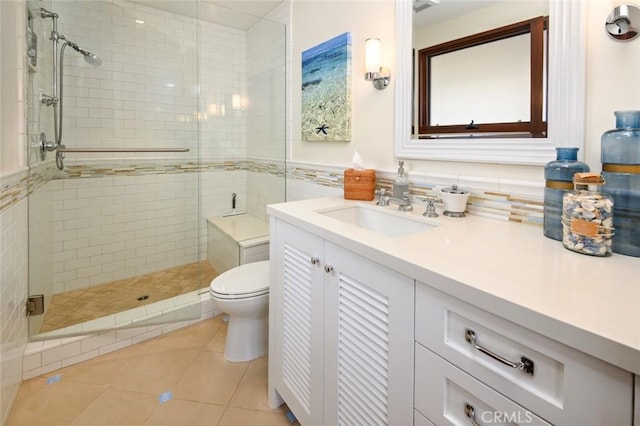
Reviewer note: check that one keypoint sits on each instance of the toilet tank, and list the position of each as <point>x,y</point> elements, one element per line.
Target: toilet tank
<point>235,240</point>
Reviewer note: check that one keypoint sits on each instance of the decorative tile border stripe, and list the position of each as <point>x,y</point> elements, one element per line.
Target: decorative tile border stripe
<point>488,203</point>
<point>40,175</point>
<point>330,179</point>
<point>141,167</point>
<point>18,185</point>
<point>14,188</point>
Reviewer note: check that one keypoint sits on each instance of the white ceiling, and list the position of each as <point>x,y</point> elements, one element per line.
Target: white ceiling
<point>240,14</point>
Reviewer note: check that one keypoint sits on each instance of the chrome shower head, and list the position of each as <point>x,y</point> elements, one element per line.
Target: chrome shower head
<point>89,57</point>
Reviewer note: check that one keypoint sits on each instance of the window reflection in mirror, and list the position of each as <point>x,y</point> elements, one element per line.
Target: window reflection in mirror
<point>487,83</point>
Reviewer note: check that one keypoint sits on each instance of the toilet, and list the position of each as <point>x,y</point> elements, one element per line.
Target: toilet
<point>243,293</point>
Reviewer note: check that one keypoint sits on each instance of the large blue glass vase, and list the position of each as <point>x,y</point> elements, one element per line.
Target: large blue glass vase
<point>620,156</point>
<point>558,175</point>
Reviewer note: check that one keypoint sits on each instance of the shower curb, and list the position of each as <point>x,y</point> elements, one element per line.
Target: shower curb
<point>42,357</point>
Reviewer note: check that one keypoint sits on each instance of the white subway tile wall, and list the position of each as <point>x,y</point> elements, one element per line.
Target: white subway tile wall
<point>145,92</point>
<point>223,92</point>
<point>223,252</point>
<point>41,219</point>
<point>39,81</point>
<point>266,84</point>
<point>254,253</point>
<point>13,276</point>
<point>264,189</point>
<point>112,228</point>
<point>216,190</point>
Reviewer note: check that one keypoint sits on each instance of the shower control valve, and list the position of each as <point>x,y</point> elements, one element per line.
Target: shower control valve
<point>48,100</point>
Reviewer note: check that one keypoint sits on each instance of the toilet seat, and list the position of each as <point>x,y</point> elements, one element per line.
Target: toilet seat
<point>242,282</point>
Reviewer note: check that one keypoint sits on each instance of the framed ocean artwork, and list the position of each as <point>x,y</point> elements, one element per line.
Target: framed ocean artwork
<point>326,90</point>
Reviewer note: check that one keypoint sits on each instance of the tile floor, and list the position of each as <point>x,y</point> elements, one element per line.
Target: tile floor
<point>180,378</point>
<point>74,307</point>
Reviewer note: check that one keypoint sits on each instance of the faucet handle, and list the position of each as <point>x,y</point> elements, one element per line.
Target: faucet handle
<point>430,209</point>
<point>383,199</point>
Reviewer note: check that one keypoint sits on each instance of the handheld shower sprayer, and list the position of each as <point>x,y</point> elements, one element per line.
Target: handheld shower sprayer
<point>89,57</point>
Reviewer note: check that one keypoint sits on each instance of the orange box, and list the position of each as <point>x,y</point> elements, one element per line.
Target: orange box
<point>359,184</point>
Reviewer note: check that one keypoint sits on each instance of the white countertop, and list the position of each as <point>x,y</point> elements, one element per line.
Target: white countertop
<point>509,269</point>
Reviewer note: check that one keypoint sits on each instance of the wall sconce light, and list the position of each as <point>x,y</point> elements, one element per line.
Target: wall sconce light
<point>380,76</point>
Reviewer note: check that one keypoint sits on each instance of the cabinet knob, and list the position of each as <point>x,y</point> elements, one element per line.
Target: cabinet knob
<point>315,260</point>
<point>328,268</point>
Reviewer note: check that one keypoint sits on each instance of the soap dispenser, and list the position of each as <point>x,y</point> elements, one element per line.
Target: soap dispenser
<point>400,182</point>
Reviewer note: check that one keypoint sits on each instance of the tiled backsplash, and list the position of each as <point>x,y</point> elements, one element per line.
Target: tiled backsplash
<point>502,199</point>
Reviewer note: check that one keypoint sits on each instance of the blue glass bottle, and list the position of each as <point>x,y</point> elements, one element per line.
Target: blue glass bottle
<point>558,175</point>
<point>620,156</point>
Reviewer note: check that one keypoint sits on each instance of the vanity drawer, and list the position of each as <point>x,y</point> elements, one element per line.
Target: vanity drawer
<point>564,386</point>
<point>448,396</point>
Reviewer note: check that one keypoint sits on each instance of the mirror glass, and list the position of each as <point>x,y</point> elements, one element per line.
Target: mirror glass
<point>445,20</point>
<point>459,93</point>
<point>485,85</point>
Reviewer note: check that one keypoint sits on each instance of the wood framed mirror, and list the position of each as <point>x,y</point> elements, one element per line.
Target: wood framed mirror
<point>566,97</point>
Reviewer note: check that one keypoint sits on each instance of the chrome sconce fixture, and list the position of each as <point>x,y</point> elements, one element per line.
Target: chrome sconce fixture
<point>378,75</point>
<point>623,22</point>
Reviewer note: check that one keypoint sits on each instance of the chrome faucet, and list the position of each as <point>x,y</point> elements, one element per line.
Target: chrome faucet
<point>404,203</point>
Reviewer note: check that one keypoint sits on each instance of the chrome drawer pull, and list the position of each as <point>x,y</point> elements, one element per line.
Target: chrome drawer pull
<point>471,413</point>
<point>525,363</point>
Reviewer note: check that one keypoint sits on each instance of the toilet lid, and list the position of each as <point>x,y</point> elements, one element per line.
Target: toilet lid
<point>243,280</point>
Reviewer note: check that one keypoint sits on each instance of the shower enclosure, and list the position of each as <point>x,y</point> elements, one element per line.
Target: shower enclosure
<point>186,108</point>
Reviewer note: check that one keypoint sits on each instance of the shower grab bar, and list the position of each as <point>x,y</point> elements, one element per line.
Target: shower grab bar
<point>72,150</point>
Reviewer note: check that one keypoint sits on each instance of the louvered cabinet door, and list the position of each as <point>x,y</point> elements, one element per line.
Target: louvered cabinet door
<point>296,328</point>
<point>369,323</point>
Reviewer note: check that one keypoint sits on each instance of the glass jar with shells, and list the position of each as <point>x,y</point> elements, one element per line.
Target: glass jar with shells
<point>587,216</point>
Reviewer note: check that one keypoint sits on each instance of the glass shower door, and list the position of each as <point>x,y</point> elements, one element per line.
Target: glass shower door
<point>114,223</point>
<point>119,239</point>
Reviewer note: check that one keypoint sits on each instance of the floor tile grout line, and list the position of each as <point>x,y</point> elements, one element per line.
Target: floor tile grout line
<point>197,343</point>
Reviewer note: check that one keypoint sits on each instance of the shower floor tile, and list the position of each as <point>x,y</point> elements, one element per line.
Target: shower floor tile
<point>180,378</point>
<point>78,306</point>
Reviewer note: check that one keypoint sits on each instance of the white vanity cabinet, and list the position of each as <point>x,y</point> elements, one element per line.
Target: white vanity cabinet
<point>471,363</point>
<point>426,329</point>
<point>341,329</point>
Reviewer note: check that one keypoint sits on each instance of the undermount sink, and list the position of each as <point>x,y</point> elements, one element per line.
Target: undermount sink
<point>380,220</point>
